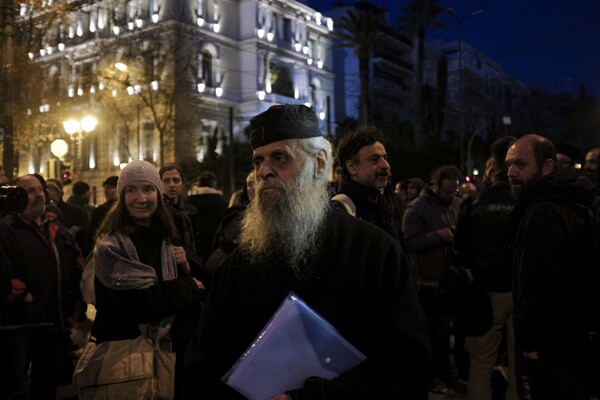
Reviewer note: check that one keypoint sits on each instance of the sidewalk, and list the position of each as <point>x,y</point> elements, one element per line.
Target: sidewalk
<point>450,394</point>
<point>459,391</point>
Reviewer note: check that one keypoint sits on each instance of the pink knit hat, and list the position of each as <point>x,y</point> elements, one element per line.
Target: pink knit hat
<point>139,170</point>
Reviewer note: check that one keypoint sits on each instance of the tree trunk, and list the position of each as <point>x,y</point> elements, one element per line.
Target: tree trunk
<point>364,100</point>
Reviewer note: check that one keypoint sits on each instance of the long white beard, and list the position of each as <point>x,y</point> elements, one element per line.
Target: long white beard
<point>285,224</point>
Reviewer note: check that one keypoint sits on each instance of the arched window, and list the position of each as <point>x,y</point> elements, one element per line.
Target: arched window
<point>207,68</point>
<point>55,80</point>
<point>281,79</point>
<point>316,99</point>
<point>149,61</point>
<point>148,141</point>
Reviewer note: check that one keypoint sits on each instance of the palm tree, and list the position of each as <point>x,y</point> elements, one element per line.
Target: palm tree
<point>416,17</point>
<point>360,31</point>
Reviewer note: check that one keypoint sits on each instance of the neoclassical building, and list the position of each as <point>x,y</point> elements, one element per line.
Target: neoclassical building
<point>166,78</point>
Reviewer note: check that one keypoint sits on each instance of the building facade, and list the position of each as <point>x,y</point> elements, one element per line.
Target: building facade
<point>168,80</point>
<point>485,88</point>
<point>480,99</point>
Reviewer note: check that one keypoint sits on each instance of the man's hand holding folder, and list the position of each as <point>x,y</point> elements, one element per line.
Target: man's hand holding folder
<point>295,344</point>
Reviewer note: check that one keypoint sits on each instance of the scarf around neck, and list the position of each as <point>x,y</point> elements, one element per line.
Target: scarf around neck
<point>116,264</point>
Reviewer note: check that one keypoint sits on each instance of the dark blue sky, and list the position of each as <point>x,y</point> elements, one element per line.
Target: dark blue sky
<point>549,43</point>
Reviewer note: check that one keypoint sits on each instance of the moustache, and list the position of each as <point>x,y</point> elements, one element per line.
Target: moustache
<point>270,184</point>
<point>384,173</point>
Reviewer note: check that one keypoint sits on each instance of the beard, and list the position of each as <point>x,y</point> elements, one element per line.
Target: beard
<point>36,210</point>
<point>382,177</point>
<point>283,223</point>
<point>521,189</point>
<point>593,176</point>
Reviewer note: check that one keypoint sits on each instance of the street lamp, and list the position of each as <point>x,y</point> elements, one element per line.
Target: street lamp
<point>58,148</point>
<point>459,21</point>
<point>77,129</point>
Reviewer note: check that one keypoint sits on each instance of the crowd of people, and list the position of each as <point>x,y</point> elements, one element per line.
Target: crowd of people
<point>423,277</point>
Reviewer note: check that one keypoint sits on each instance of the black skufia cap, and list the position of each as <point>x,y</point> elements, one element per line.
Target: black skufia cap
<point>283,122</point>
<point>569,150</point>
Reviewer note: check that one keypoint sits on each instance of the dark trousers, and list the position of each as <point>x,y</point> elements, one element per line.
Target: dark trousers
<point>44,352</point>
<point>549,382</point>
<point>461,357</point>
<point>436,317</point>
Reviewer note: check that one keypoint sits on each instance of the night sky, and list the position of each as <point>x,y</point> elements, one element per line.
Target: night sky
<point>549,43</point>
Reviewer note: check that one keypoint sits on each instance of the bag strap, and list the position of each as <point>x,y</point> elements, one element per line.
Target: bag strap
<point>346,202</point>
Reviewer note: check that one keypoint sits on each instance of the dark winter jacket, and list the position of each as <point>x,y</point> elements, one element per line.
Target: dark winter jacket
<point>34,253</point>
<point>210,208</point>
<point>186,219</point>
<point>98,215</point>
<point>483,237</point>
<point>361,285</point>
<point>226,236</point>
<point>76,219</point>
<point>382,210</point>
<point>423,217</point>
<point>557,283</point>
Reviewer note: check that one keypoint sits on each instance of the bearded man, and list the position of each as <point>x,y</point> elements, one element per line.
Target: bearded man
<point>557,325</point>
<point>365,176</point>
<point>349,271</point>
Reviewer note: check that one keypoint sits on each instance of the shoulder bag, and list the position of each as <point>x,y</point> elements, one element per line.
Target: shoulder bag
<point>125,369</point>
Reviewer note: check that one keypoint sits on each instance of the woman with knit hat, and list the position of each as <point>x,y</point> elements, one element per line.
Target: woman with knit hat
<point>141,279</point>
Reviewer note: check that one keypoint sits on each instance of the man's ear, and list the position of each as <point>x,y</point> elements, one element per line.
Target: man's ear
<point>351,167</point>
<point>321,163</point>
<point>548,167</point>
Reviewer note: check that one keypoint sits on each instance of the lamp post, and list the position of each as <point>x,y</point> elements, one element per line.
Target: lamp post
<point>58,148</point>
<point>461,91</point>
<point>77,129</point>
<point>469,159</point>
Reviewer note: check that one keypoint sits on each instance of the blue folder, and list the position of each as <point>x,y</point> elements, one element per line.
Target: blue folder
<point>296,343</point>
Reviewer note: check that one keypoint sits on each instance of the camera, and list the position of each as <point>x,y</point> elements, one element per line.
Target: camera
<point>13,199</point>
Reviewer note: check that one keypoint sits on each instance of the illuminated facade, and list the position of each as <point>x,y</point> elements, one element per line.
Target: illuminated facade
<point>164,76</point>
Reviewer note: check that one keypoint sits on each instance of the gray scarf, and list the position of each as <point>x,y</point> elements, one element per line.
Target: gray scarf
<point>116,264</point>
